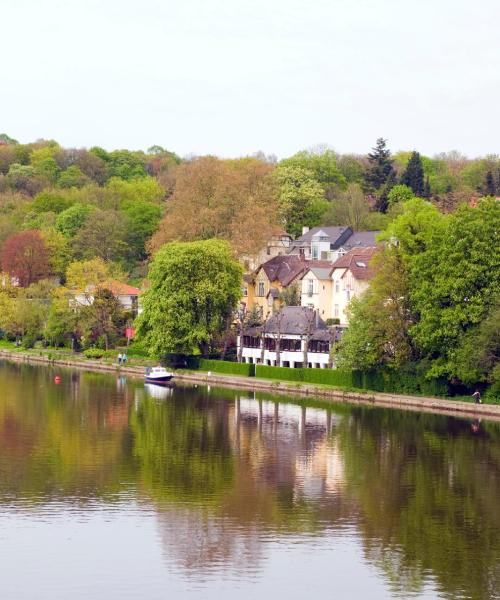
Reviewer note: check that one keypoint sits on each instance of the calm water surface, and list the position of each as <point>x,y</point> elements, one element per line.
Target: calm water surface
<point>112,490</point>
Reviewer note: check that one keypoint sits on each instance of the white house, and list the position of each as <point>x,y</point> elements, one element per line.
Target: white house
<point>283,338</point>
<point>350,278</point>
<point>127,295</point>
<point>330,243</point>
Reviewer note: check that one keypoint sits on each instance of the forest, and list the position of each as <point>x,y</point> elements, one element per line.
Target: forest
<point>70,218</point>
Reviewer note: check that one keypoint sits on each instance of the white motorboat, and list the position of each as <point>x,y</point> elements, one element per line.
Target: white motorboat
<point>157,375</point>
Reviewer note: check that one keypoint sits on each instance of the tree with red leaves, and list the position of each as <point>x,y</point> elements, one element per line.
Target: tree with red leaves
<point>25,257</point>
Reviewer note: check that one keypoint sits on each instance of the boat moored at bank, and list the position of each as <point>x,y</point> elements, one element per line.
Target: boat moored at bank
<point>158,375</point>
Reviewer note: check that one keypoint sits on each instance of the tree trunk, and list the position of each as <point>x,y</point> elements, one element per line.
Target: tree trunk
<point>304,351</point>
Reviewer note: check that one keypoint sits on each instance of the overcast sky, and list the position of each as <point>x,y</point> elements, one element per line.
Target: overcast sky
<point>231,77</point>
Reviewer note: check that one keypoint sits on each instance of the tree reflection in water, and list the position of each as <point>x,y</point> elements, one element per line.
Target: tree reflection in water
<point>227,472</point>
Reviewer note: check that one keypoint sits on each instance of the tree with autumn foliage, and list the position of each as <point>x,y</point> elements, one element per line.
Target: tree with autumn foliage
<point>233,200</point>
<point>25,257</point>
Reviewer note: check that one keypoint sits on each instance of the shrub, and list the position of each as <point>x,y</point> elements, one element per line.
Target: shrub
<point>29,341</point>
<point>95,353</point>
<point>221,366</point>
<point>324,376</point>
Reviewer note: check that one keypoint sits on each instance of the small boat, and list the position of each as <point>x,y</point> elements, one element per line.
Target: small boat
<point>157,375</point>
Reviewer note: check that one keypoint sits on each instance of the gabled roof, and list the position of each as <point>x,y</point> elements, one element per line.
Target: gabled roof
<point>284,268</point>
<point>320,268</point>
<point>357,261</point>
<point>336,235</point>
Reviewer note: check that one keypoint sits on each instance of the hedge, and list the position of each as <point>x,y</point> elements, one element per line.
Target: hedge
<point>325,376</point>
<point>407,380</point>
<point>404,381</point>
<point>221,366</point>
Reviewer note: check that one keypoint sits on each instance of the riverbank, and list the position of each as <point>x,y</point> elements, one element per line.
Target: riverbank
<point>311,391</point>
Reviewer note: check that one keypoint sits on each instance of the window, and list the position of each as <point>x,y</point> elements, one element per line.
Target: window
<point>290,345</point>
<point>348,295</point>
<point>250,341</point>
<point>310,287</point>
<point>336,310</point>
<point>325,255</point>
<point>324,238</point>
<point>315,252</point>
<point>245,290</point>
<point>262,289</point>
<point>270,344</point>
<point>319,346</point>
<point>337,287</point>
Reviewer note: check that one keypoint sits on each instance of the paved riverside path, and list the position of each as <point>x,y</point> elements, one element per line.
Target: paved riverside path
<point>290,388</point>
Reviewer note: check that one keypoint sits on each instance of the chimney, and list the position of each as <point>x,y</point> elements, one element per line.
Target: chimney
<point>305,230</point>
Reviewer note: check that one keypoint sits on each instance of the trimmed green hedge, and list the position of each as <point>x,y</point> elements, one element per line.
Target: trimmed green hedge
<point>221,366</point>
<point>325,376</point>
<point>407,380</point>
<point>404,381</point>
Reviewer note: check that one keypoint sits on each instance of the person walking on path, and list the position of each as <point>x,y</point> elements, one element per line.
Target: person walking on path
<point>477,397</point>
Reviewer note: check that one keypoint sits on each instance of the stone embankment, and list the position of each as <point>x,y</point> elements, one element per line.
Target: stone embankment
<point>302,390</point>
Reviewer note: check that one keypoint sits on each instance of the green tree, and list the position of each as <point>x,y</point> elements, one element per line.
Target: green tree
<point>72,177</point>
<point>300,198</point>
<point>195,287</point>
<point>455,282</point>
<point>49,201</point>
<point>413,177</point>
<point>477,357</point>
<point>103,235</point>
<point>380,171</point>
<point>104,317</point>
<point>400,193</point>
<point>141,221</point>
<point>489,184</point>
<point>70,221</point>
<point>322,163</point>
<point>348,208</point>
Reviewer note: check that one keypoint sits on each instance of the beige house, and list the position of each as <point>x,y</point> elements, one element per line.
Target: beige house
<point>316,289</point>
<point>350,276</point>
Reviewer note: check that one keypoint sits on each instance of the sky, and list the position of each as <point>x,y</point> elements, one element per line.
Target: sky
<point>233,77</point>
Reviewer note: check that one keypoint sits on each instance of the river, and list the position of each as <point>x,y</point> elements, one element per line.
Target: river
<point>113,490</point>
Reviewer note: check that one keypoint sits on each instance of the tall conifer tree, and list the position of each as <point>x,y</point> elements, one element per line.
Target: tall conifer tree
<point>380,177</point>
<point>413,176</point>
<point>489,185</point>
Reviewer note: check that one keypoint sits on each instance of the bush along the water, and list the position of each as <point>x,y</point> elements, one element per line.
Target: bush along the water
<point>94,353</point>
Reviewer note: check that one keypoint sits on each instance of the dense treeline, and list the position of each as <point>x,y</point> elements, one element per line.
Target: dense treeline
<point>74,218</point>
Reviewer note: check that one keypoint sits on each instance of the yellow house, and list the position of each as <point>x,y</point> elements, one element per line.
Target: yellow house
<point>263,287</point>
<point>316,289</point>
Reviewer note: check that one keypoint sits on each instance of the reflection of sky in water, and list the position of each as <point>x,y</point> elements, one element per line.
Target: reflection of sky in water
<point>111,489</point>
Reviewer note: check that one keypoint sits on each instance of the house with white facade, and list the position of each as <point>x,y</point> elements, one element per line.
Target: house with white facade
<point>127,295</point>
<point>294,337</point>
<point>330,243</point>
<point>350,276</point>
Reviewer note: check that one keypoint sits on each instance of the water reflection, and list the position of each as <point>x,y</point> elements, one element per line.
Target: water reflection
<point>234,482</point>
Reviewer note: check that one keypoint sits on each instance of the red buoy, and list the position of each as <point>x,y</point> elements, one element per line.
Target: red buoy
<point>57,379</point>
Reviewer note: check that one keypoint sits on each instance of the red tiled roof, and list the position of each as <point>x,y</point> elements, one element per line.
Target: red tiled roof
<point>120,289</point>
<point>357,261</point>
